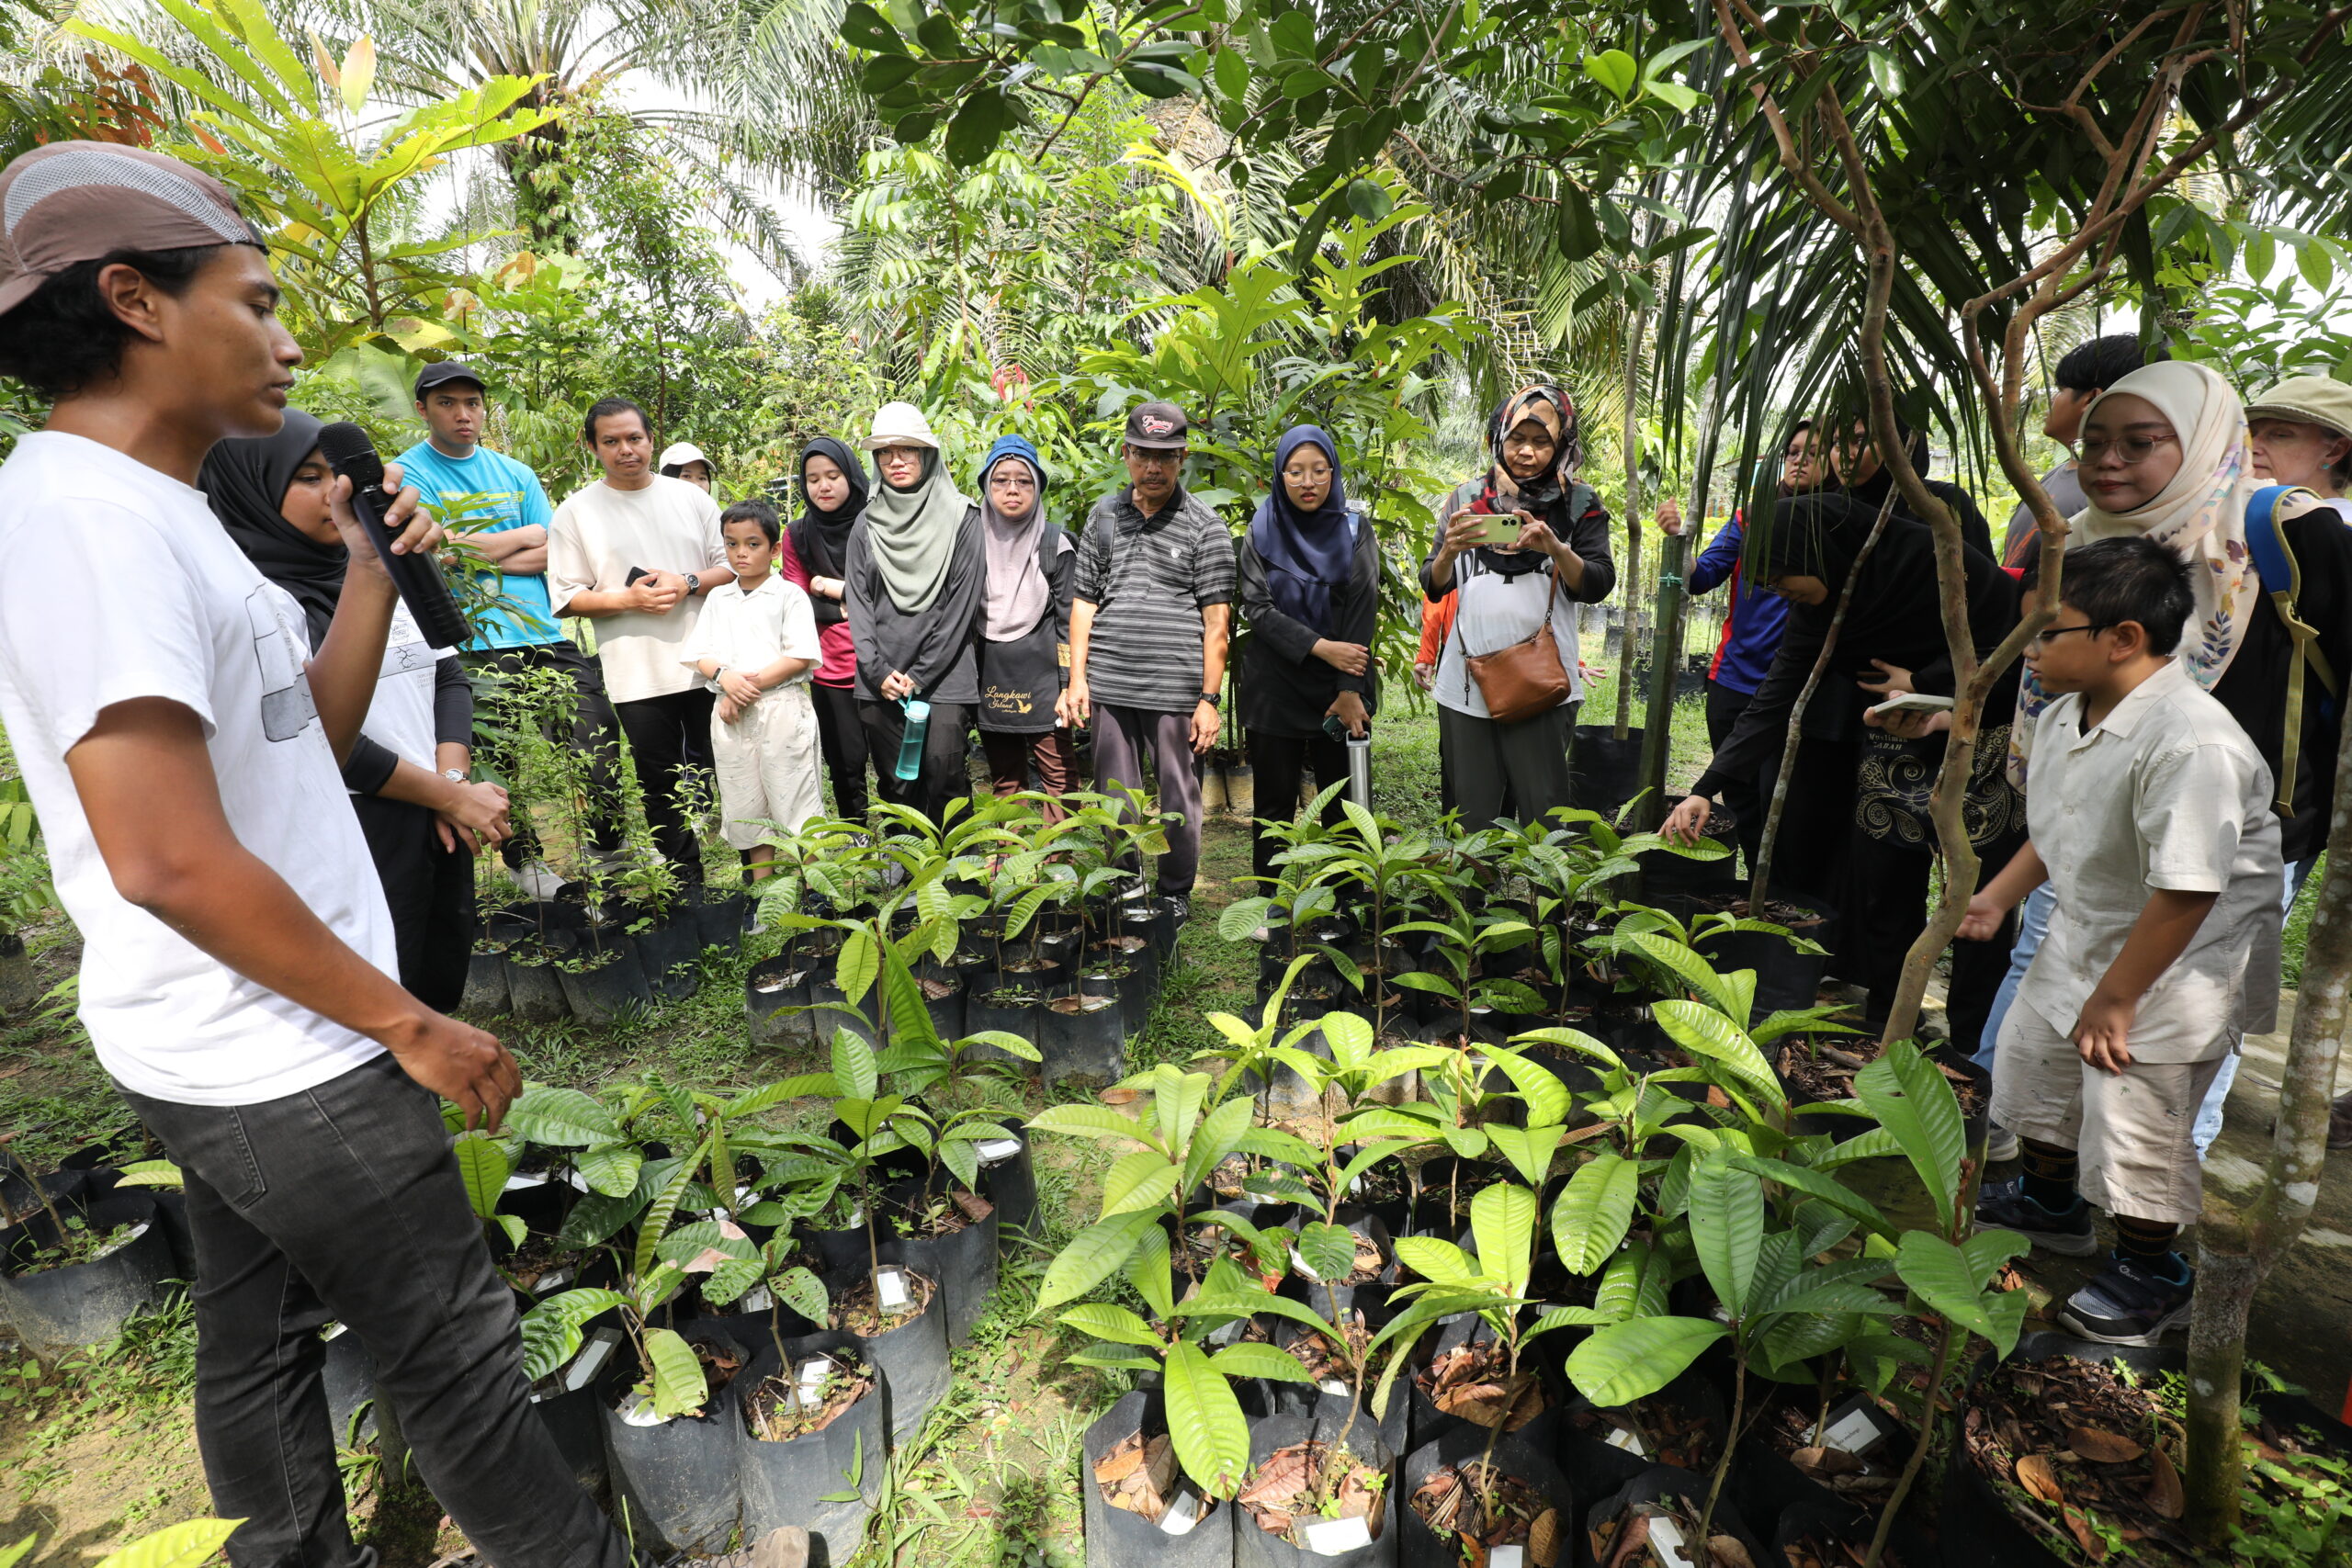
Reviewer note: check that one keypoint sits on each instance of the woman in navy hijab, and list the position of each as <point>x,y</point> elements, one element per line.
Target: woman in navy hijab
<point>1310,592</point>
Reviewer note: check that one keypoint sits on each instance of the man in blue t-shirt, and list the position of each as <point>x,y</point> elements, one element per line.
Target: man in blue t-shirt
<point>498,507</point>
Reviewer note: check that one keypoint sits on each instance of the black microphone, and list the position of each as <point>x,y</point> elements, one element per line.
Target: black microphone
<point>350,453</point>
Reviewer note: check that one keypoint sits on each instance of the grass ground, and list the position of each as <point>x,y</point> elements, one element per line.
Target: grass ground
<point>102,1447</point>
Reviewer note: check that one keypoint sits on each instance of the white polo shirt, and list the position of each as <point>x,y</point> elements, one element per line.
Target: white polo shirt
<point>2164,793</point>
<point>751,631</point>
<point>598,536</point>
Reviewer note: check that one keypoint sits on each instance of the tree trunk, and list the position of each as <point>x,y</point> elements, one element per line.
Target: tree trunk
<point>1631,444</point>
<point>2235,1250</point>
<point>1796,716</point>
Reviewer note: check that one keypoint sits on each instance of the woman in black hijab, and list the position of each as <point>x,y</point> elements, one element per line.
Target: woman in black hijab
<point>1854,832</point>
<point>408,770</point>
<point>816,556</point>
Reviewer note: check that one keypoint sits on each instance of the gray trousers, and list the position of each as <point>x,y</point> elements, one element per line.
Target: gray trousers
<point>344,1203</point>
<point>1122,735</point>
<point>1497,770</point>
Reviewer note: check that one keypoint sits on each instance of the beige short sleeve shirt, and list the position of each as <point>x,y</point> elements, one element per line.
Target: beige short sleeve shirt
<point>2165,793</point>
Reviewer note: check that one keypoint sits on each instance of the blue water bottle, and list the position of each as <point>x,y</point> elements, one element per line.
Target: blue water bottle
<point>918,713</point>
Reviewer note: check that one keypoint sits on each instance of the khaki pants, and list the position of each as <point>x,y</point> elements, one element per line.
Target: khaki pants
<point>2131,1132</point>
<point>767,767</point>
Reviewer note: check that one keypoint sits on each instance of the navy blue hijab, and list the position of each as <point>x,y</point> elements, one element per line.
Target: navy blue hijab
<point>1309,556</point>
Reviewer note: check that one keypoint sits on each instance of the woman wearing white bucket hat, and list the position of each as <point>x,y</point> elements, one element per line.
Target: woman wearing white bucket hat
<point>2300,433</point>
<point>916,571</point>
<point>684,460</point>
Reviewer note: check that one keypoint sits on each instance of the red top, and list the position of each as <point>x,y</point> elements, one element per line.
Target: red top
<point>839,665</point>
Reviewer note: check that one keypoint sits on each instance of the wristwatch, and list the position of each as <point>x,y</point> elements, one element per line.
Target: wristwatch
<point>694,582</point>
<point>455,775</point>
<point>1212,698</point>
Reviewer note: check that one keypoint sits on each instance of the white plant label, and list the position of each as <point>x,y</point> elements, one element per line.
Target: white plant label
<point>520,1181</point>
<point>331,1331</point>
<point>1225,1334</point>
<point>813,1373</point>
<point>1309,1275</point>
<point>996,1151</point>
<point>1621,1439</point>
<point>1854,1432</point>
<point>551,1281</point>
<point>1182,1515</point>
<point>891,1287</point>
<point>1333,1385</point>
<point>591,1360</point>
<point>756,1299</point>
<point>1665,1540</point>
<point>1507,1557</point>
<point>1336,1537</point>
<point>111,1248</point>
<point>638,1411</point>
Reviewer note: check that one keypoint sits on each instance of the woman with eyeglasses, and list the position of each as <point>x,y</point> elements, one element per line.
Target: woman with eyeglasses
<point>1855,833</point>
<point>2165,453</point>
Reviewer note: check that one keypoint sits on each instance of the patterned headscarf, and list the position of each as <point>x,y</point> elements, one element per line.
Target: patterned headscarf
<point>1549,407</point>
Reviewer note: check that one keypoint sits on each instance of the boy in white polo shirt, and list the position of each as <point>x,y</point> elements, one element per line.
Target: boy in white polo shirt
<point>2151,819</point>
<point>756,647</point>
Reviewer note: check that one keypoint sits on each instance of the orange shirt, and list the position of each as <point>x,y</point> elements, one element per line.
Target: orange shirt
<point>1437,621</point>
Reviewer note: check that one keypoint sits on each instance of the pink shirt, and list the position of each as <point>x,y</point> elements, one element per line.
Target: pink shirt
<point>839,666</point>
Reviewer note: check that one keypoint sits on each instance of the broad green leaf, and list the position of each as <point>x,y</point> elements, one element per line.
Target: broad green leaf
<point>552,1329</point>
<point>1529,1149</point>
<point>1089,1122</point>
<point>1502,1221</point>
<point>854,1067</point>
<point>1434,1259</point>
<point>560,1118</point>
<point>1115,1324</point>
<point>723,1285</point>
<point>1545,1096</point>
<point>1148,1272</point>
<point>1251,1360</point>
<point>1626,1361</point>
<point>678,1386</point>
<point>150,1173</point>
<point>1214,1138</point>
<point>1614,69</point>
<point>1329,1251</point>
<point>800,1290</point>
<point>482,1165</point>
<point>1703,1031</point>
<point>611,1169</point>
<point>656,1222</point>
<point>1204,1420</point>
<point>1727,1228</point>
<point>854,972</point>
<point>1912,1100</point>
<point>1685,963</point>
<point>1595,1210</point>
<point>1568,1318</point>
<point>1139,1181</point>
<point>1635,1285</point>
<point>184,1545</point>
<point>1348,1037</point>
<point>1091,1257</point>
<point>1814,1184</point>
<point>1952,1278</point>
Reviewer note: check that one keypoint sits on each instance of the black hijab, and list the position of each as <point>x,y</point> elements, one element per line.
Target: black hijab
<point>246,480</point>
<point>1897,611</point>
<point>821,538</point>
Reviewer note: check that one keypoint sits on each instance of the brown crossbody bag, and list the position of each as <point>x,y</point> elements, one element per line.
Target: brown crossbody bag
<point>1525,679</point>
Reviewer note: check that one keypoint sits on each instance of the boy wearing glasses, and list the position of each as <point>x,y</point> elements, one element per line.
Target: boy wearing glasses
<point>2151,819</point>
<point>1150,617</point>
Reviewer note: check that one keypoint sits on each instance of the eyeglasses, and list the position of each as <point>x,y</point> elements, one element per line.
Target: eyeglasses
<point>2132,448</point>
<point>2043,639</point>
<point>1142,458</point>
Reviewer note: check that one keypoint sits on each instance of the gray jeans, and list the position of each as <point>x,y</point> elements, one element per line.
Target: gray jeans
<point>1122,735</point>
<point>343,1203</point>
<point>1498,770</point>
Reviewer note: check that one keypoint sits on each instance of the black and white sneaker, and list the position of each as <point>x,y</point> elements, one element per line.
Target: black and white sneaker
<point>2005,1206</point>
<point>2131,1304</point>
<point>1178,904</point>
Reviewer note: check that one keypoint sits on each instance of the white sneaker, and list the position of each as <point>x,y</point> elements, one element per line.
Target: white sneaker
<point>536,879</point>
<point>2000,1143</point>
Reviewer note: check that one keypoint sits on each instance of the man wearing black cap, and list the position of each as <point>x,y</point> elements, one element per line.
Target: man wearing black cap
<point>238,961</point>
<point>1148,633</point>
<point>505,517</point>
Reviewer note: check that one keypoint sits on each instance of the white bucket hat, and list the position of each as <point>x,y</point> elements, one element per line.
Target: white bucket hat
<point>899,425</point>
<point>678,453</point>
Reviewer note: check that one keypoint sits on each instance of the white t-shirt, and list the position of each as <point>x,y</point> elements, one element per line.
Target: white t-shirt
<point>751,631</point>
<point>400,716</point>
<point>1492,612</point>
<point>116,583</point>
<point>599,535</point>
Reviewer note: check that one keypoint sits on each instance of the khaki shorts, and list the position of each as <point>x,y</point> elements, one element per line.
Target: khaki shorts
<point>2131,1132</point>
<point>766,762</point>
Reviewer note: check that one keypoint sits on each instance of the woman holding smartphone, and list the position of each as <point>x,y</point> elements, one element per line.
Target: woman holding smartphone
<point>1309,576</point>
<point>1522,545</point>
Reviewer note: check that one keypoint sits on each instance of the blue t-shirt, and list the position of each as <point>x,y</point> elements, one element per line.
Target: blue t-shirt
<point>499,494</point>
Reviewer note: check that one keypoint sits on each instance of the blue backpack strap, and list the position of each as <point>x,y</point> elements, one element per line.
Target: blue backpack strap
<point>2282,582</point>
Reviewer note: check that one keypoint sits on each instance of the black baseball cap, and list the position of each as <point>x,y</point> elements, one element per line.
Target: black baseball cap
<point>1158,426</point>
<point>446,371</point>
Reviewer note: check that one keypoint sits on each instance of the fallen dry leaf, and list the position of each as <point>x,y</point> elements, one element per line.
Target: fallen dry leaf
<point>2094,1546</point>
<point>1118,1097</point>
<point>2038,1476</point>
<point>2102,1447</point>
<point>1635,1537</point>
<point>1543,1538</point>
<point>1280,1479</point>
<point>2165,1494</point>
<point>1819,1463</point>
<point>1729,1552</point>
<point>1119,1463</point>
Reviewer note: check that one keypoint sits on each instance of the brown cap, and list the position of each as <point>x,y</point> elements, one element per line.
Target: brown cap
<point>1161,426</point>
<point>82,201</point>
